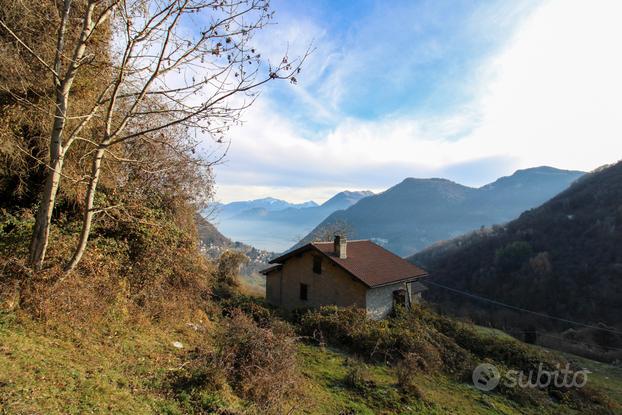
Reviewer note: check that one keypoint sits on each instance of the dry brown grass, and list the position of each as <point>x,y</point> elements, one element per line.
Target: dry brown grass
<point>252,290</point>
<point>130,271</point>
<point>258,362</point>
<point>407,370</point>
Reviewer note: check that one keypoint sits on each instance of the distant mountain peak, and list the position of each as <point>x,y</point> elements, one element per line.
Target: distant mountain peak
<point>420,211</point>
<point>346,198</point>
<point>269,200</point>
<point>545,174</point>
<point>307,204</point>
<point>544,169</point>
<point>576,237</point>
<point>429,180</point>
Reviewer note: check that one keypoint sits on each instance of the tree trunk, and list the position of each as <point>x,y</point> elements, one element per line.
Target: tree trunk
<point>88,211</point>
<point>41,231</point>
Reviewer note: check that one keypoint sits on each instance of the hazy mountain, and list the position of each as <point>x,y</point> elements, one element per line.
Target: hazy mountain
<point>563,258</point>
<point>215,243</point>
<point>209,235</point>
<point>304,212</point>
<point>418,212</point>
<point>345,199</point>
<point>275,224</point>
<point>267,204</point>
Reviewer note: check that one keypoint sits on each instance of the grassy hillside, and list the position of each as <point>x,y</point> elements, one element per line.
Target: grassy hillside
<point>147,325</point>
<point>116,368</point>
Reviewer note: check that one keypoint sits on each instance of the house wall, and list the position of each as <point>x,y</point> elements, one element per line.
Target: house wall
<point>273,287</point>
<point>380,300</point>
<point>333,286</point>
<point>415,298</point>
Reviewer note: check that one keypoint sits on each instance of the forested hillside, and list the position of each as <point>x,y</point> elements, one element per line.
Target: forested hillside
<point>562,258</point>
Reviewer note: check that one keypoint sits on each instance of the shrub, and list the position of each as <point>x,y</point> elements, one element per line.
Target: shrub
<point>387,340</point>
<point>251,306</point>
<point>259,363</point>
<point>357,375</point>
<point>149,267</point>
<point>227,271</point>
<point>406,370</point>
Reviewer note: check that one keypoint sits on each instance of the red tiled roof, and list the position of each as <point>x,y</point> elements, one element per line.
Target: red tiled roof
<point>370,263</point>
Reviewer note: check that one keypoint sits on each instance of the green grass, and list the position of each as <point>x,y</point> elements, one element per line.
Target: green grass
<point>326,369</point>
<point>602,376</point>
<point>120,370</point>
<point>45,371</point>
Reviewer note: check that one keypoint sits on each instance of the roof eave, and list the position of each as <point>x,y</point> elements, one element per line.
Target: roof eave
<point>287,255</point>
<point>268,270</point>
<point>408,279</point>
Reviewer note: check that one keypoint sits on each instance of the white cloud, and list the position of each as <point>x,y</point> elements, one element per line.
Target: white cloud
<point>552,96</point>
<point>556,99</point>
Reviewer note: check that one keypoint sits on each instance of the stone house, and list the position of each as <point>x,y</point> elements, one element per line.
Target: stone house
<point>343,273</point>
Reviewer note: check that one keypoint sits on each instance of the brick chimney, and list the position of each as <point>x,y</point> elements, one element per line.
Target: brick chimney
<point>340,246</point>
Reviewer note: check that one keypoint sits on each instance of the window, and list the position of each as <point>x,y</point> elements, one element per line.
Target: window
<point>304,291</point>
<point>317,264</point>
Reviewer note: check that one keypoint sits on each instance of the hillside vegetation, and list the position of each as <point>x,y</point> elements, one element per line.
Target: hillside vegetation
<point>239,358</point>
<point>562,258</point>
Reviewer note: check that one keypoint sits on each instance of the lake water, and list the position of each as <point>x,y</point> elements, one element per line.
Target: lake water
<point>270,236</point>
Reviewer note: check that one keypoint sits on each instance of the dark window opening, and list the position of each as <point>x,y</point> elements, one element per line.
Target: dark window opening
<point>399,297</point>
<point>317,265</point>
<point>304,291</point>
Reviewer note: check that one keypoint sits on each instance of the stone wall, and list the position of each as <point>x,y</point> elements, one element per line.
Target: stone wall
<point>380,300</point>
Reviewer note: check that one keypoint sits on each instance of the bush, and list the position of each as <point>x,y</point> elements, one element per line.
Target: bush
<point>387,340</point>
<point>227,271</point>
<point>251,306</point>
<point>149,267</point>
<point>357,375</point>
<point>406,370</point>
<point>259,363</point>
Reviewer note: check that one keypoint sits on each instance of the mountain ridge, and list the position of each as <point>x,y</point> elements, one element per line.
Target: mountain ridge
<point>277,224</point>
<point>418,212</point>
<point>226,210</point>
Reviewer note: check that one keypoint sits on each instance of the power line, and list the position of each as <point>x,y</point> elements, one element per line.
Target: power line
<point>524,310</point>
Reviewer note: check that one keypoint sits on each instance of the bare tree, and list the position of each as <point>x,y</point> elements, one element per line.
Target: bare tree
<point>175,65</point>
<point>63,70</point>
<point>169,75</point>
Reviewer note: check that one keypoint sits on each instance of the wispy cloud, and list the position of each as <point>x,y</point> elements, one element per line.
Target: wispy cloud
<point>547,92</point>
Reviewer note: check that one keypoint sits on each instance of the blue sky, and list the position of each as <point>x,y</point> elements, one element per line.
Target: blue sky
<point>466,90</point>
